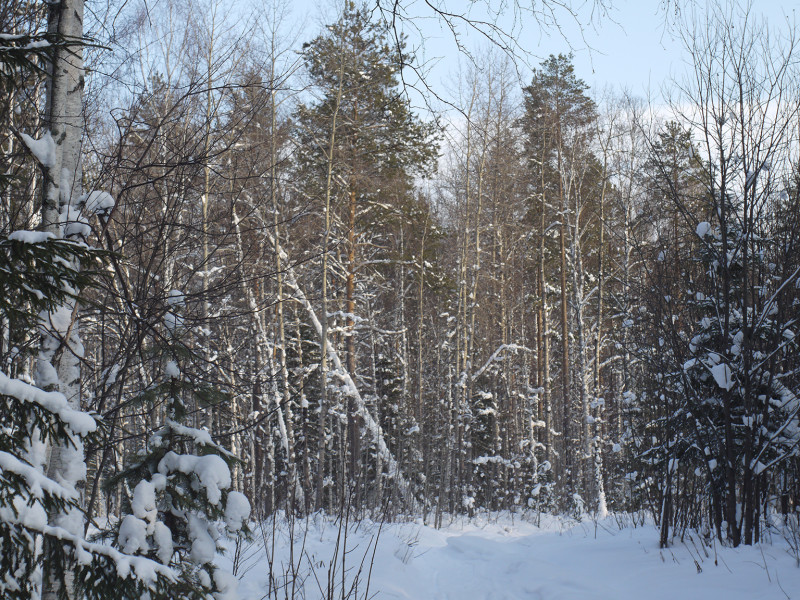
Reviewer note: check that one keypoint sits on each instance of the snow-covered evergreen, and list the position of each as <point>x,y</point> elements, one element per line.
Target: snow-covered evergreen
<point>181,501</point>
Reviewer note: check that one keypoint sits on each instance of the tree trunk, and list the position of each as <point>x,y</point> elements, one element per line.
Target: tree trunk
<point>565,399</point>
<point>353,427</point>
<point>62,180</point>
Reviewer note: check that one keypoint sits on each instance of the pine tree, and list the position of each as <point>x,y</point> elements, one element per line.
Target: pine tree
<point>359,147</point>
<point>558,130</point>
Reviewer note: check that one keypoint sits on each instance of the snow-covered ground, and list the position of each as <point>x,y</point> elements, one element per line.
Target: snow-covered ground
<point>501,558</point>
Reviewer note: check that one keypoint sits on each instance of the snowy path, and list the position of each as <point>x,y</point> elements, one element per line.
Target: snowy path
<point>501,561</point>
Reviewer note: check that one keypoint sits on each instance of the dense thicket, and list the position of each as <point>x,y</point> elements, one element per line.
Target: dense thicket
<point>311,297</point>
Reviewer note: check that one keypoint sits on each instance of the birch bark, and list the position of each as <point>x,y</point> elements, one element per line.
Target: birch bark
<point>58,364</point>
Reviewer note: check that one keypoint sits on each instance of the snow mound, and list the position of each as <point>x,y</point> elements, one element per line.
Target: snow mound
<point>98,202</point>
<point>703,228</point>
<point>237,511</point>
<point>723,376</point>
<point>30,237</point>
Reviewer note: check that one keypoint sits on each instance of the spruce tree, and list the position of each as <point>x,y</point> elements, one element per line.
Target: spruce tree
<point>181,503</point>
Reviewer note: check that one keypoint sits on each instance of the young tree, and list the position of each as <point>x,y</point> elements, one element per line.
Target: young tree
<point>181,485</point>
<point>731,342</point>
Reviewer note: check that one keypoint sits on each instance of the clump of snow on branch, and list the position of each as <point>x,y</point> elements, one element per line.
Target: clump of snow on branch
<point>43,149</point>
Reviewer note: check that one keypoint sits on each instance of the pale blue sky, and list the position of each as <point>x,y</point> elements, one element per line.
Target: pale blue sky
<point>633,48</point>
<point>630,47</point>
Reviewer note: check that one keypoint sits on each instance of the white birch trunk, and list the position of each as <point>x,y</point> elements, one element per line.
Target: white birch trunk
<point>58,363</point>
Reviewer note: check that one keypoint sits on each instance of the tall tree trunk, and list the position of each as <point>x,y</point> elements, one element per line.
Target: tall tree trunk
<point>418,405</point>
<point>296,492</point>
<point>353,436</point>
<point>599,421</point>
<point>565,399</point>
<point>545,332</point>
<point>62,180</point>
<point>323,399</point>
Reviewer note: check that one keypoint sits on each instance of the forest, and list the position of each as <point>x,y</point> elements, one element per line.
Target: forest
<point>249,269</point>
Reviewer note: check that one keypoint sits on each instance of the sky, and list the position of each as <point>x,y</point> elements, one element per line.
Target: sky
<point>628,47</point>
<point>634,48</point>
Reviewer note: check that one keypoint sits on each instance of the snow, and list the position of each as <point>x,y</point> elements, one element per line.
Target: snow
<point>227,585</point>
<point>501,558</point>
<point>144,569</point>
<point>201,437</point>
<point>133,535</point>
<point>79,422</point>
<point>703,228</point>
<point>72,470</point>
<point>203,547</point>
<point>30,237</point>
<point>212,472</point>
<point>172,370</point>
<point>75,224</point>
<point>175,298</point>
<point>36,481</point>
<point>31,516</point>
<point>723,376</point>
<point>172,321</point>
<point>60,320</point>
<point>143,503</point>
<point>43,149</point>
<point>237,510</point>
<point>162,537</point>
<point>98,202</point>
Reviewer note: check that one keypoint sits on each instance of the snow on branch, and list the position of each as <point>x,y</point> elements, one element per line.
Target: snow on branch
<point>43,149</point>
<point>210,469</point>
<point>36,480</point>
<point>497,356</point>
<point>78,421</point>
<point>143,569</point>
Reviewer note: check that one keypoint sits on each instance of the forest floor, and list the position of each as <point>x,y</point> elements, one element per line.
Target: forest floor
<point>508,558</point>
